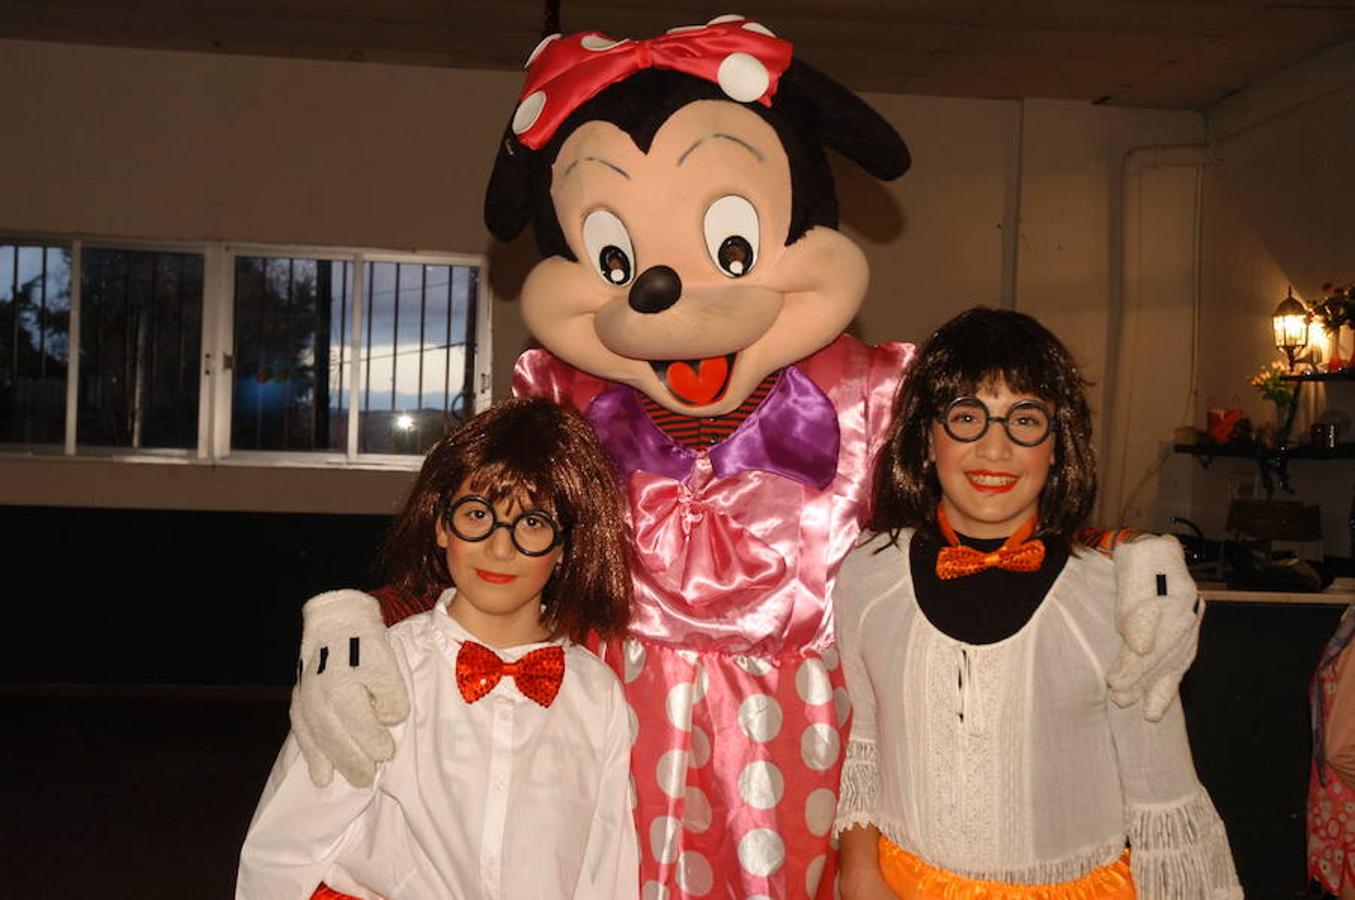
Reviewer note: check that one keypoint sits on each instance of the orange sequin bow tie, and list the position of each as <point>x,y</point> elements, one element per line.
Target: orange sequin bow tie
<point>1016,553</point>
<point>537,675</point>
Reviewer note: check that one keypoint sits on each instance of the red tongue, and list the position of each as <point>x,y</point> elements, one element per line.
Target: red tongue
<point>699,387</point>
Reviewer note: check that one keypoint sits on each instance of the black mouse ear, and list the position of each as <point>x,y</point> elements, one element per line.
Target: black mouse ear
<point>509,201</point>
<point>845,122</point>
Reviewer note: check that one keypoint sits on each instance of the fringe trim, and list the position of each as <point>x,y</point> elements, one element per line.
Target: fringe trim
<point>1181,851</point>
<point>859,789</point>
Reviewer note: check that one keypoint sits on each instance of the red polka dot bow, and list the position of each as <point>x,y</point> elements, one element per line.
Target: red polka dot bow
<point>1016,553</point>
<point>537,675</point>
<point>741,56</point>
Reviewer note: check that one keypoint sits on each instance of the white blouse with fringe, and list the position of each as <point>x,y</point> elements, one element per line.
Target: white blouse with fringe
<point>1008,761</point>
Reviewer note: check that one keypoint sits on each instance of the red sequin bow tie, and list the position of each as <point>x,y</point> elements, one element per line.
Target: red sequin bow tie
<point>564,72</point>
<point>1016,553</point>
<point>537,675</point>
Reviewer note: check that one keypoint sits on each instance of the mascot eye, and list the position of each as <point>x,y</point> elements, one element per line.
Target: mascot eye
<point>608,246</point>
<point>731,230</point>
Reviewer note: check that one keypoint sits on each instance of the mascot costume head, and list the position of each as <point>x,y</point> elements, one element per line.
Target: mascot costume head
<point>680,195</point>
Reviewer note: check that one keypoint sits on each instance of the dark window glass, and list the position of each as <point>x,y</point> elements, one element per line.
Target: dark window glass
<point>140,345</point>
<point>417,364</point>
<point>35,321</point>
<point>292,332</point>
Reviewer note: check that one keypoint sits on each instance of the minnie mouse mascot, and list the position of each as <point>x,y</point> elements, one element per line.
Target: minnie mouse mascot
<point>691,301</point>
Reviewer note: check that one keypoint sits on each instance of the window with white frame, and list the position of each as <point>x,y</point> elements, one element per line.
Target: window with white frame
<point>300,340</point>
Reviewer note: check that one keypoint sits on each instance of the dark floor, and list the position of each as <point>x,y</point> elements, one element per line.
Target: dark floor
<point>137,794</point>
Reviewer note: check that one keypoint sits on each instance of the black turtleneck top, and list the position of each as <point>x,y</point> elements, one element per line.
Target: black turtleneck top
<point>987,606</point>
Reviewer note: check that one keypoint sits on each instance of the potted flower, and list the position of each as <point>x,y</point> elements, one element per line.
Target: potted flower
<point>1335,308</point>
<point>1270,383</point>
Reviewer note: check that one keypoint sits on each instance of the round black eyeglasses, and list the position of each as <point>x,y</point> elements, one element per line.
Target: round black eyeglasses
<point>534,531</point>
<point>1027,422</point>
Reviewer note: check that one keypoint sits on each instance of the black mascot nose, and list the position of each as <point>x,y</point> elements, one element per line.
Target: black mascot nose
<point>657,288</point>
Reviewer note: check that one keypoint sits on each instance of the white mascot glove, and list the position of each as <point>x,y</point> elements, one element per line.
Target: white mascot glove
<point>1158,612</point>
<point>348,688</point>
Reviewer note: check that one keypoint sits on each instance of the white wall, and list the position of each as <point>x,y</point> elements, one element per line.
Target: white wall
<point>1279,210</point>
<point>138,143</point>
<point>1129,335</point>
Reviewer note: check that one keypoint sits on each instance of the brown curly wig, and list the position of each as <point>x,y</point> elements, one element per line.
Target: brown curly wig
<point>545,456</point>
<point>976,349</point>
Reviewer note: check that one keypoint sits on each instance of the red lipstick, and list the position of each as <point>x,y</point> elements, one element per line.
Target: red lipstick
<point>990,482</point>
<point>494,577</point>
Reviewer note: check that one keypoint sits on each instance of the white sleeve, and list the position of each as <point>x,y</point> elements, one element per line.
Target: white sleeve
<point>1178,846</point>
<point>297,830</point>
<point>860,785</point>
<point>611,859</point>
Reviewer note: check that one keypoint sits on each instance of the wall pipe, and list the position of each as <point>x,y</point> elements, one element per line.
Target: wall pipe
<point>1122,329</point>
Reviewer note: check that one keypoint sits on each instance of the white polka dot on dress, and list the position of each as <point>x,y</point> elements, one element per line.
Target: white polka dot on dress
<point>679,706</point>
<point>842,705</point>
<point>761,784</point>
<point>819,746</point>
<point>761,852</point>
<point>694,875</point>
<point>671,773</point>
<point>812,684</point>
<point>760,717</point>
<point>814,874</point>
<point>634,654</point>
<point>753,665</point>
<point>700,748</point>
<point>663,835</point>
<point>696,814</point>
<point>820,810</point>
<point>758,28</point>
<point>654,891</point>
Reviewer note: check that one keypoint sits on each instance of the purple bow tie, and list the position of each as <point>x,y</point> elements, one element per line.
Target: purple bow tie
<point>793,432</point>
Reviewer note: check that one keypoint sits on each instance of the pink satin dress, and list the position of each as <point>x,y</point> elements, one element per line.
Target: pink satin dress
<point>739,711</point>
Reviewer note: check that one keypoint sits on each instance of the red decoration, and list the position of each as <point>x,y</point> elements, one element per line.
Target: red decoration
<point>741,56</point>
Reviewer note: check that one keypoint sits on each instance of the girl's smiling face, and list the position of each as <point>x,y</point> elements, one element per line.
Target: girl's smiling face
<point>991,486</point>
<point>498,589</point>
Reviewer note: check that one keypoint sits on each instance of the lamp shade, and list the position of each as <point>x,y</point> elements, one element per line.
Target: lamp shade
<point>1290,321</point>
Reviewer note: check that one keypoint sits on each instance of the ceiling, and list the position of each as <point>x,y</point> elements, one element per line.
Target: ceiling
<point>1173,54</point>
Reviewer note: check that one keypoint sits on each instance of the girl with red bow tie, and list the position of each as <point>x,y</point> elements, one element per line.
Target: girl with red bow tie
<point>989,755</point>
<point>509,777</point>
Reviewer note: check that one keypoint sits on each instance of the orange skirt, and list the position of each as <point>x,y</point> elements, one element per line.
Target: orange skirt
<point>912,879</point>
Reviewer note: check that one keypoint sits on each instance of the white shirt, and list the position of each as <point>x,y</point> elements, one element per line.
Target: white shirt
<point>501,798</point>
<point>1007,761</point>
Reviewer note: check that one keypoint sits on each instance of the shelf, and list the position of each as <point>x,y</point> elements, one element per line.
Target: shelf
<point>1258,451</point>
<point>1343,375</point>
<point>1218,593</point>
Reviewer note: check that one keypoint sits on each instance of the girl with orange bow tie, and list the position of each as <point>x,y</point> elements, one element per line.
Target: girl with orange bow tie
<point>988,756</point>
<point>510,776</point>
